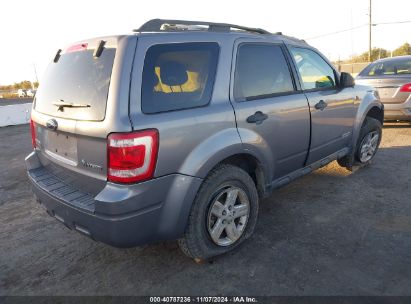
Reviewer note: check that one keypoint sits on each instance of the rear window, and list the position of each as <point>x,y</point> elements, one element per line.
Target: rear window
<point>178,76</point>
<point>78,78</point>
<point>261,72</point>
<point>391,67</point>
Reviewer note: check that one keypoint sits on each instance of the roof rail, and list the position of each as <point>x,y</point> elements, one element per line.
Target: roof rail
<point>156,25</point>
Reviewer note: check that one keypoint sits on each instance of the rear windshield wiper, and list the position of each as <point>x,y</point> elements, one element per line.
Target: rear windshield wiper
<point>63,104</point>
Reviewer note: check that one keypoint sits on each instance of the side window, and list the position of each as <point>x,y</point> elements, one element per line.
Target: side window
<point>261,71</point>
<point>315,72</point>
<point>178,76</point>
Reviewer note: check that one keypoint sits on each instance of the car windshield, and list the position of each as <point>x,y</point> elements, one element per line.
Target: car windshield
<point>389,67</point>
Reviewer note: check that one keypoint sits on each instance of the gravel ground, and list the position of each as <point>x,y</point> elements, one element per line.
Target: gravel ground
<point>332,232</point>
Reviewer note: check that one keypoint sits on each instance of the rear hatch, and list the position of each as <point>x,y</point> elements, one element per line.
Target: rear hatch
<point>74,110</point>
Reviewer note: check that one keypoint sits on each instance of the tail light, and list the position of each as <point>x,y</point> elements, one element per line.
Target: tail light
<point>33,133</point>
<point>406,88</point>
<point>132,157</point>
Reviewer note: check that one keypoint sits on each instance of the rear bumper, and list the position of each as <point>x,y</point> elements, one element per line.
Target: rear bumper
<point>121,216</point>
<point>400,111</point>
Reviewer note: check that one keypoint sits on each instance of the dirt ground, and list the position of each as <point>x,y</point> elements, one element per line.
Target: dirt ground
<point>332,232</point>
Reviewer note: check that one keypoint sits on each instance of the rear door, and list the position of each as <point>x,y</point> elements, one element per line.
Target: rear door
<point>76,107</point>
<point>267,103</point>
<point>332,109</point>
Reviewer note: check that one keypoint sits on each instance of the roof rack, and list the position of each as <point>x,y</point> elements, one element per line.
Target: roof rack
<point>157,25</point>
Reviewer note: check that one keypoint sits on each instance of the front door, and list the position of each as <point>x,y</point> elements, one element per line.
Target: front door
<point>332,108</point>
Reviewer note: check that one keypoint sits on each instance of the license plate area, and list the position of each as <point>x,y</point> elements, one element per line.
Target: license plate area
<point>60,146</point>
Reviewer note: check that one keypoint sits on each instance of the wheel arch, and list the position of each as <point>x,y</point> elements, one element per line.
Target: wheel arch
<point>376,113</point>
<point>250,164</point>
<point>374,109</point>
<point>370,106</point>
<point>226,147</point>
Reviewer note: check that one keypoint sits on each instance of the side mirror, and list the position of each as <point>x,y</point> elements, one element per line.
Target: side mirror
<point>346,80</point>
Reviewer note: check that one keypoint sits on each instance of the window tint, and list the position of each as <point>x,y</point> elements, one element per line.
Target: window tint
<point>261,71</point>
<point>78,78</point>
<point>315,72</point>
<point>178,76</point>
<point>389,67</point>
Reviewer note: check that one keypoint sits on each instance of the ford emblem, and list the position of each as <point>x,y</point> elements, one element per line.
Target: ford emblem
<point>52,124</point>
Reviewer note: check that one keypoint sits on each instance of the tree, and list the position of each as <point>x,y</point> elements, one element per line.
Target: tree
<point>25,85</point>
<point>376,53</point>
<point>36,84</point>
<point>6,87</point>
<point>404,49</point>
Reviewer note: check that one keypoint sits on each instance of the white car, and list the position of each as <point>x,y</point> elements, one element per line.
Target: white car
<point>22,93</point>
<point>30,93</point>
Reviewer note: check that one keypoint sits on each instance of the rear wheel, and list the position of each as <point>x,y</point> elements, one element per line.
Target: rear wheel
<point>223,214</point>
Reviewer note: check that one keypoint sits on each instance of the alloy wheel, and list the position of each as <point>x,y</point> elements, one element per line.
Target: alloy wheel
<point>368,146</point>
<point>228,216</point>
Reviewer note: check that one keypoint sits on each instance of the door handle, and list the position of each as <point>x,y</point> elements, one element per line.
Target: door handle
<point>321,105</point>
<point>257,118</point>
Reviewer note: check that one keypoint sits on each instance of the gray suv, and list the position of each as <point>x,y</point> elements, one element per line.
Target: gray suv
<point>178,130</point>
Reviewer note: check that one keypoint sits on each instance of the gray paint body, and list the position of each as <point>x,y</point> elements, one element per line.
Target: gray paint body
<point>294,140</point>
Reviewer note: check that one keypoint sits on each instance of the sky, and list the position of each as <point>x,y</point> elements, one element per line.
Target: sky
<point>32,31</point>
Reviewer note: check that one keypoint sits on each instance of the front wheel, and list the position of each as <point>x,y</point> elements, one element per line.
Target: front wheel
<point>367,145</point>
<point>369,140</point>
<point>223,215</point>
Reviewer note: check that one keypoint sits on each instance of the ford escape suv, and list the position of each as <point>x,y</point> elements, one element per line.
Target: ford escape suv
<point>178,130</point>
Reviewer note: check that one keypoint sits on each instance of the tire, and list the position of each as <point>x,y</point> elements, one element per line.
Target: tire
<point>370,127</point>
<point>345,162</point>
<point>222,184</point>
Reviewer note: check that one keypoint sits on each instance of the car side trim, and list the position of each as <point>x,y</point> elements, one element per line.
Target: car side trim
<point>279,182</point>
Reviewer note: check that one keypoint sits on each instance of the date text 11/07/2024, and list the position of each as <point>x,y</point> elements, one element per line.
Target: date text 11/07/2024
<point>239,299</point>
